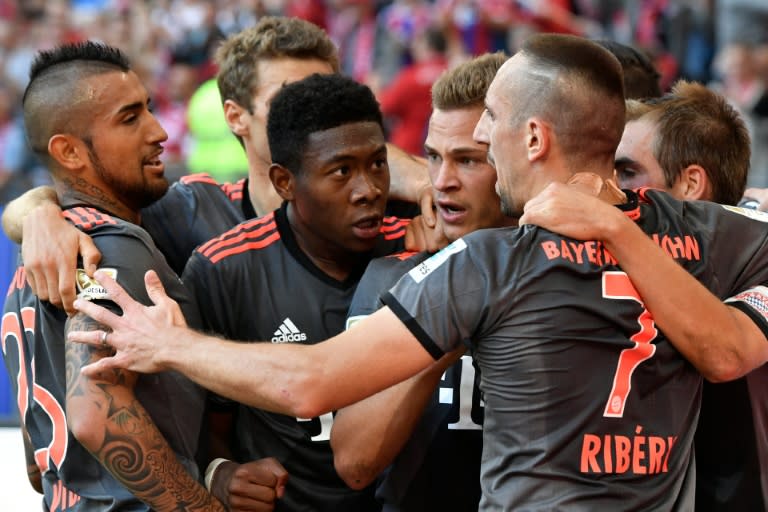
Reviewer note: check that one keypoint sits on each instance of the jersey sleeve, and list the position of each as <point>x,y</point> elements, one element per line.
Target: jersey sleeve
<point>442,301</point>
<point>127,257</point>
<point>380,276</point>
<point>194,210</point>
<point>740,259</point>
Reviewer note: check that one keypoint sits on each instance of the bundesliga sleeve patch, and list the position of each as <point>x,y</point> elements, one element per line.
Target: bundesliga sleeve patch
<point>422,270</point>
<point>747,212</point>
<point>756,298</point>
<point>90,289</point>
<point>352,320</point>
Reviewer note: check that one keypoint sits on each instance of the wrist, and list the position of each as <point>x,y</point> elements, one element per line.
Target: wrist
<point>617,231</point>
<point>167,354</point>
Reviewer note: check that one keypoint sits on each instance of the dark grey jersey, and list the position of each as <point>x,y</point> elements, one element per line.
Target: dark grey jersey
<point>587,405</point>
<point>439,466</point>
<point>33,349</point>
<point>194,210</point>
<point>255,283</point>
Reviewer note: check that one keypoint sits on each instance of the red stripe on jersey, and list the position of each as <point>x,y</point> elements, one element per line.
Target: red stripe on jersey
<point>243,233</point>
<point>393,228</point>
<point>200,177</point>
<point>634,214</point>
<point>246,246</point>
<point>404,255</point>
<point>642,194</point>
<point>87,218</point>
<point>234,191</point>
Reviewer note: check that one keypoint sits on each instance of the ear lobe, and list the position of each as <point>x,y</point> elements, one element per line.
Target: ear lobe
<point>235,116</point>
<point>536,139</point>
<point>694,183</point>
<point>66,150</point>
<point>283,180</point>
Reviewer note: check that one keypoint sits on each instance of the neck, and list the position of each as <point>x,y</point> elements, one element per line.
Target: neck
<point>264,198</point>
<point>71,191</point>
<point>333,260</point>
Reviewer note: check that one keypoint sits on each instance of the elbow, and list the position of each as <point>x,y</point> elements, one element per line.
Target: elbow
<point>308,395</point>
<point>721,375</point>
<point>84,427</point>
<point>308,406</point>
<point>355,471</point>
<point>727,367</point>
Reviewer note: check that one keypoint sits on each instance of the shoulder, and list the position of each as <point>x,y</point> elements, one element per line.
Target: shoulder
<point>101,225</point>
<point>251,235</point>
<point>87,218</point>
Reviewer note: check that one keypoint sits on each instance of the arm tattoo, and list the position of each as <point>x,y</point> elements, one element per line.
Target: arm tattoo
<point>122,435</point>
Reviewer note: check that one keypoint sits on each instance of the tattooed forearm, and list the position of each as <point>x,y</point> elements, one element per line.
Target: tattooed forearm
<point>105,416</point>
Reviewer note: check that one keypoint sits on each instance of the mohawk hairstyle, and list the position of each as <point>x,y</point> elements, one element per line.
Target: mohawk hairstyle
<point>52,101</point>
<point>81,51</point>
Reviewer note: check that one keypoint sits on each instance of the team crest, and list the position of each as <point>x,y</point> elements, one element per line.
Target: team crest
<point>756,298</point>
<point>90,289</point>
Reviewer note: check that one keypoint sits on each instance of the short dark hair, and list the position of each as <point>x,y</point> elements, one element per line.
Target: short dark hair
<point>583,79</point>
<point>316,103</point>
<point>52,99</point>
<point>641,78</point>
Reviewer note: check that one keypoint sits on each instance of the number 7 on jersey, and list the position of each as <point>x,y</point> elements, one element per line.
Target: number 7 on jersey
<point>617,286</point>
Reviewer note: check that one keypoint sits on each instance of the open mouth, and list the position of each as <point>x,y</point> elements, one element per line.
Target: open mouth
<point>368,227</point>
<point>154,164</point>
<point>450,212</point>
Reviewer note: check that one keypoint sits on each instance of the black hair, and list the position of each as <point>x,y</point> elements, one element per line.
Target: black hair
<point>314,104</point>
<point>85,51</point>
<point>52,99</point>
<point>641,78</point>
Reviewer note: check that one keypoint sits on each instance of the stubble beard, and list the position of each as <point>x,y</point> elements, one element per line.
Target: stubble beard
<point>135,195</point>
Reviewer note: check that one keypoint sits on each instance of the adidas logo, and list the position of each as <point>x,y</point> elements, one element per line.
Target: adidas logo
<point>288,332</point>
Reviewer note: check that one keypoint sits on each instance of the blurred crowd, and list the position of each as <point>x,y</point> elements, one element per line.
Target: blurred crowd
<point>397,47</point>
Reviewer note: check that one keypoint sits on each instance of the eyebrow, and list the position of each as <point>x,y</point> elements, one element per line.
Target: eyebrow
<point>340,157</point>
<point>134,106</point>
<point>626,162</point>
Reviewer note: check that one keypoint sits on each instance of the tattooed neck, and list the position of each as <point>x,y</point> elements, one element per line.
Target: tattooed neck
<point>76,190</point>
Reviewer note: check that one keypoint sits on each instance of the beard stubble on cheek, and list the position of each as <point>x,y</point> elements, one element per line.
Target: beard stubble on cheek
<point>137,193</point>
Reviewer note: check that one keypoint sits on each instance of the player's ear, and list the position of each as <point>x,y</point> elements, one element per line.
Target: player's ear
<point>283,180</point>
<point>237,118</point>
<point>68,151</point>
<point>693,183</point>
<point>537,138</point>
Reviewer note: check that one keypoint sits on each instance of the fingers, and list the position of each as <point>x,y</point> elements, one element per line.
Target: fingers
<point>98,313</point>
<point>94,370</point>
<point>427,207</point>
<point>280,473</point>
<point>414,240</point>
<point>92,338</point>
<point>67,289</point>
<point>116,293</point>
<point>155,288</point>
<point>32,281</point>
<point>89,253</point>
